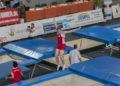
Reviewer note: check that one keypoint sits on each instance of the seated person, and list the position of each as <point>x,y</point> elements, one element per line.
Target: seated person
<point>15,73</point>
<point>31,30</point>
<point>74,56</point>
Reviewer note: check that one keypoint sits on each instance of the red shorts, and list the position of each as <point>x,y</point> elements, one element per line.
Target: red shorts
<point>61,46</point>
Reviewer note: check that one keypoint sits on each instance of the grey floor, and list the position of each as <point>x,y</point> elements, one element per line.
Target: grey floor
<point>70,80</point>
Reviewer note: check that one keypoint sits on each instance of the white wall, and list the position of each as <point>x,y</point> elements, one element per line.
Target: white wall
<point>46,26</point>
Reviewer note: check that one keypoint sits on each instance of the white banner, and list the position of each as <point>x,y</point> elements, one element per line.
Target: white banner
<point>108,9</point>
<point>65,22</point>
<point>89,17</point>
<point>19,31</point>
<point>73,20</point>
<point>116,11</point>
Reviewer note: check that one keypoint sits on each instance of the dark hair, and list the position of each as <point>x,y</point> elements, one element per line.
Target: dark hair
<point>32,23</point>
<point>28,26</point>
<point>75,46</point>
<point>15,64</point>
<point>58,28</point>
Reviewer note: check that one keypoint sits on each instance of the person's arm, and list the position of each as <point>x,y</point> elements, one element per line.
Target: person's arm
<point>70,60</point>
<point>70,57</point>
<point>55,23</point>
<point>79,56</point>
<point>70,31</point>
<point>80,59</point>
<point>28,29</point>
<point>21,74</point>
<point>33,30</point>
<point>10,77</point>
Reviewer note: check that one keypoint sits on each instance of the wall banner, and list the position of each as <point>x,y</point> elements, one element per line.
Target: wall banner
<point>9,16</point>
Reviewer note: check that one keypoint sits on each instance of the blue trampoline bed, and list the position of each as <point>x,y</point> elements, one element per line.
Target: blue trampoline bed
<point>35,50</point>
<point>101,34</point>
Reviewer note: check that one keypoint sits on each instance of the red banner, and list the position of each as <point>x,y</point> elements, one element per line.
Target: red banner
<point>9,16</point>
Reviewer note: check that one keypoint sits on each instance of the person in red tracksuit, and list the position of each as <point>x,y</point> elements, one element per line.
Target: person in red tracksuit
<point>15,73</point>
<point>61,47</point>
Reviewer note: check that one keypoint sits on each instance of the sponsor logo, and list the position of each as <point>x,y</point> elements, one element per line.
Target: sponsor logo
<point>12,30</point>
<point>84,17</point>
<point>8,14</point>
<point>96,14</point>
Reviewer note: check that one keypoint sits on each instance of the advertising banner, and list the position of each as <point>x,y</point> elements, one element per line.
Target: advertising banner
<point>89,17</point>
<point>73,20</point>
<point>64,22</point>
<point>108,9</point>
<point>19,31</point>
<point>9,16</point>
<point>46,26</point>
<point>116,11</point>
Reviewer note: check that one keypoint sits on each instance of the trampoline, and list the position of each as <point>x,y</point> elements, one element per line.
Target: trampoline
<point>105,68</point>
<point>35,50</point>
<point>113,26</point>
<point>100,71</point>
<point>101,34</point>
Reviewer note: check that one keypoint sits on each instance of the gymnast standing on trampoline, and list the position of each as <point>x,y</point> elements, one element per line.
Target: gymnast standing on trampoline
<point>61,45</point>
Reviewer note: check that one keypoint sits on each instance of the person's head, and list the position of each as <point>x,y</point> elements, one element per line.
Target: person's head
<point>15,64</point>
<point>75,46</point>
<point>21,3</point>
<point>28,26</point>
<point>32,24</point>
<point>59,30</point>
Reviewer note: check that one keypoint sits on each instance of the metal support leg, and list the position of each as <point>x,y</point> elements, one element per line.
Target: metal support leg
<point>10,56</point>
<point>33,70</point>
<point>111,51</point>
<point>80,44</point>
<point>44,67</point>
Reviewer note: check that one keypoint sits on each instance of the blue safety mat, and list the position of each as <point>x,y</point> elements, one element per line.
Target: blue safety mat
<point>37,48</point>
<point>5,69</point>
<point>113,26</point>
<point>2,51</point>
<point>103,68</point>
<point>99,33</point>
<point>110,85</point>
